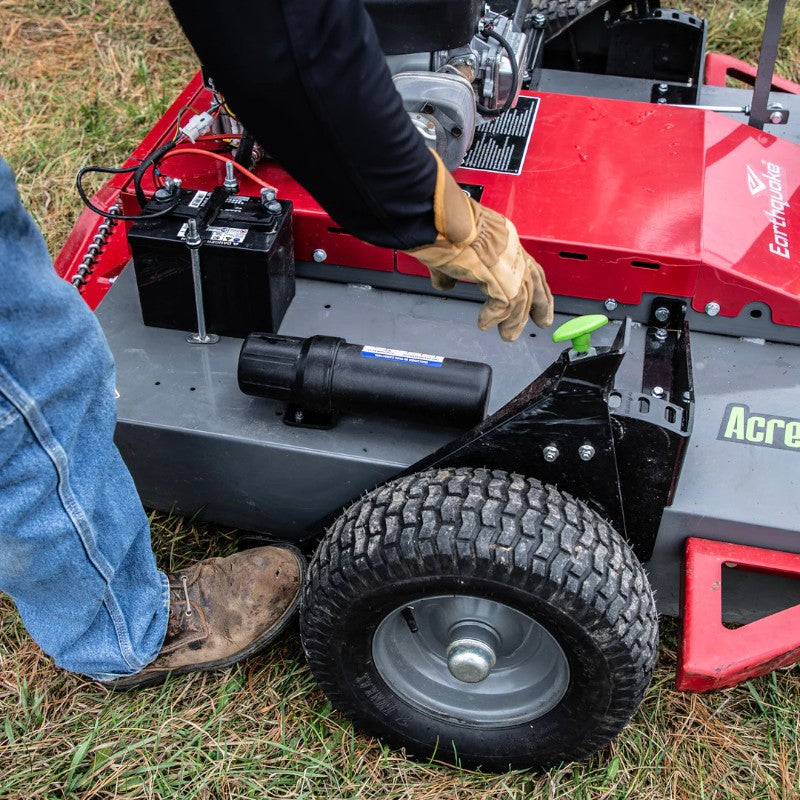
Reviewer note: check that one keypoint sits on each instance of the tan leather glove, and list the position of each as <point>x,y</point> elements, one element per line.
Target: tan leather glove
<point>479,245</point>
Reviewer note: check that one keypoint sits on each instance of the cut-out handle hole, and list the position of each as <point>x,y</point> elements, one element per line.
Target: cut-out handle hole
<point>645,264</point>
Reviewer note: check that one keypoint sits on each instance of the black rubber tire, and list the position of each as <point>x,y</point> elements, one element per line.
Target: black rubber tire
<point>490,534</point>
<point>561,14</point>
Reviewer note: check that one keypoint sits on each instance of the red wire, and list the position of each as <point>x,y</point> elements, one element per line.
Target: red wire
<point>217,157</point>
<point>214,137</point>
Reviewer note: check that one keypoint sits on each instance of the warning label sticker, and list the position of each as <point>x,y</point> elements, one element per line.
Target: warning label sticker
<point>388,354</point>
<point>500,145</point>
<point>199,199</point>
<point>226,235</point>
<point>218,235</point>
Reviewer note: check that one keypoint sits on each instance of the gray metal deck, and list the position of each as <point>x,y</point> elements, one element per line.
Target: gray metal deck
<point>196,444</point>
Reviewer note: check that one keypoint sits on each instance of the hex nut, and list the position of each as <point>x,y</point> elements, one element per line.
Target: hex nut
<point>550,453</point>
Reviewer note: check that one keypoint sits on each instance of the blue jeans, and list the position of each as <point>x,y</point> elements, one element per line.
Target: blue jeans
<point>75,551</point>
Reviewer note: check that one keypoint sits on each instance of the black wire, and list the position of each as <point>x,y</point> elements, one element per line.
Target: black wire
<point>143,167</point>
<point>113,171</point>
<point>496,112</point>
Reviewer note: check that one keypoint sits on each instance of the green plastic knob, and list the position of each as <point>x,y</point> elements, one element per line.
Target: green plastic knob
<point>579,330</point>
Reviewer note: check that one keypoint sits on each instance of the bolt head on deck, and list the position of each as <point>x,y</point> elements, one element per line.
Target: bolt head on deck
<point>550,453</point>
<point>586,452</point>
<point>319,256</point>
<point>712,309</point>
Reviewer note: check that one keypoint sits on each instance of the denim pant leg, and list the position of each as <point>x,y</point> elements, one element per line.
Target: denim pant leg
<point>75,551</point>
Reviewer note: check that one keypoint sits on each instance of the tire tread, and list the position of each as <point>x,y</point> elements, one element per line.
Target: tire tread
<point>459,521</point>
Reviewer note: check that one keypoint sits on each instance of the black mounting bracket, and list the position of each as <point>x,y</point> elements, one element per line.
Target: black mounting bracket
<point>619,451</point>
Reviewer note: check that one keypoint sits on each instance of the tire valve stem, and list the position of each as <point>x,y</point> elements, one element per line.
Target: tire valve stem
<point>408,616</point>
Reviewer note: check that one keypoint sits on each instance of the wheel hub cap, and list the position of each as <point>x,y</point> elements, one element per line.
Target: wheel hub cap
<point>470,660</point>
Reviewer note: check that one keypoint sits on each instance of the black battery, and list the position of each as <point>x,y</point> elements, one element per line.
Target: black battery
<point>246,262</point>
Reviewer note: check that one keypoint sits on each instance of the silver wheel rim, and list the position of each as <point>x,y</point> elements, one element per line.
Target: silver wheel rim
<point>512,668</point>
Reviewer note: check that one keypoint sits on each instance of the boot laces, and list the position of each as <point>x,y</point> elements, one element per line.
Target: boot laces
<point>185,583</point>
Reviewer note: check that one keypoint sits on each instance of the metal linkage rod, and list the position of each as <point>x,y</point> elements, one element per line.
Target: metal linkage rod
<point>759,114</point>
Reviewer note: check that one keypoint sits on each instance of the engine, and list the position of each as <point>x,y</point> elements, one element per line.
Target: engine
<point>455,63</point>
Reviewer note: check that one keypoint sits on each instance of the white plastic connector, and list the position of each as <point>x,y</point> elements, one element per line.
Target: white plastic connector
<point>198,125</point>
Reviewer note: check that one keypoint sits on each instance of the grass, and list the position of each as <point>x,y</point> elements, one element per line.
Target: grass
<point>81,82</point>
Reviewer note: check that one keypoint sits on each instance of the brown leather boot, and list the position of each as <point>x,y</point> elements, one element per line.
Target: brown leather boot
<point>224,609</point>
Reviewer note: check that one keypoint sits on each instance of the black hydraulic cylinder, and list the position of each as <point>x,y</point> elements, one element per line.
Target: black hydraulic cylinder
<point>322,376</point>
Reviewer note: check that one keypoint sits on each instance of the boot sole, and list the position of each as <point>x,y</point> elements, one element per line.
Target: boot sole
<point>156,678</point>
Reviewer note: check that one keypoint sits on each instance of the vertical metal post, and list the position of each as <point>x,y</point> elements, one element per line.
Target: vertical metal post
<point>230,183</point>
<point>193,242</point>
<point>759,114</point>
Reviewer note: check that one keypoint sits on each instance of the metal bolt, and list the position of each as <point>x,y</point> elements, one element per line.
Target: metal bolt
<point>539,20</point>
<point>192,236</point>
<point>193,241</point>
<point>230,183</point>
<point>550,453</point>
<point>776,117</point>
<point>687,397</point>
<point>610,304</point>
<point>657,391</point>
<point>470,660</point>
<point>319,255</point>
<point>712,309</point>
<point>298,416</point>
<point>661,334</point>
<point>586,452</point>
<point>268,195</point>
<point>662,100</point>
<point>662,314</point>
<point>274,207</point>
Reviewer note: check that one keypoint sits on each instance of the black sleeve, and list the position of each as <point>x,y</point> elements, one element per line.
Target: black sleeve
<point>309,80</point>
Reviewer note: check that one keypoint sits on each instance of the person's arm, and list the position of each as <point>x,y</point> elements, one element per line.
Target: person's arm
<point>309,80</point>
